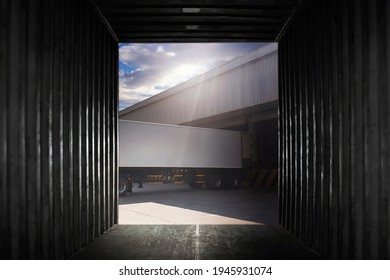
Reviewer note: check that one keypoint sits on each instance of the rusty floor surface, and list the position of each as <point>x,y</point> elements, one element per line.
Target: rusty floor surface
<point>163,222</point>
<point>190,242</point>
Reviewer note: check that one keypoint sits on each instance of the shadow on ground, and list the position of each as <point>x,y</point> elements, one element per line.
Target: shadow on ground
<point>240,205</point>
<point>264,239</point>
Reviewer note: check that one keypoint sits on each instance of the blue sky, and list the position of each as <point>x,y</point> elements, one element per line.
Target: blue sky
<point>148,69</point>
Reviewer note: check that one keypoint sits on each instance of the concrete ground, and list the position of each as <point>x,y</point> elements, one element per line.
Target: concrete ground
<point>179,204</point>
<point>176,222</point>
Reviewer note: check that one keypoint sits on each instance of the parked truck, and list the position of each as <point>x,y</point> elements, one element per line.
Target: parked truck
<point>201,157</point>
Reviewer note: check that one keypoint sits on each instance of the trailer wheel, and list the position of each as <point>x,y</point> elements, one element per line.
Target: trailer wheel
<point>232,181</point>
<point>213,181</point>
<point>124,186</point>
<point>194,185</point>
<point>191,180</point>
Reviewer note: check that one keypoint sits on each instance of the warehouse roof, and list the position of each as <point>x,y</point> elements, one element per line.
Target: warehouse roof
<point>257,54</point>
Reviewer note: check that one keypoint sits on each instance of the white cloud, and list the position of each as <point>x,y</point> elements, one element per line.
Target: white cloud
<point>147,69</point>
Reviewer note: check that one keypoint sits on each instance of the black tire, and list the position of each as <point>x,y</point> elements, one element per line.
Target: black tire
<point>124,186</point>
<point>213,181</point>
<point>194,185</point>
<point>191,180</point>
<point>232,181</point>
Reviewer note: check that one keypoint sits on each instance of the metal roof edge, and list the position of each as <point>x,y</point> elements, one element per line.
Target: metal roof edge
<point>175,125</point>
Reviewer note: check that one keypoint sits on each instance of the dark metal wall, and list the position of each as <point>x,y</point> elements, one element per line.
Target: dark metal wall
<point>58,106</point>
<point>334,127</point>
<point>146,21</point>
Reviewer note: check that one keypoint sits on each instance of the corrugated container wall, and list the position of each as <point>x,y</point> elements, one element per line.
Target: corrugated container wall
<point>245,85</point>
<point>58,73</point>
<point>334,128</point>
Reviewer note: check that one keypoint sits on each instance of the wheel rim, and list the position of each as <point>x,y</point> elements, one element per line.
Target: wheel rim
<point>217,183</point>
<point>122,186</point>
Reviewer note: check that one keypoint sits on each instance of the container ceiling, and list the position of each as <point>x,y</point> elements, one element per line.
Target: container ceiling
<point>197,20</point>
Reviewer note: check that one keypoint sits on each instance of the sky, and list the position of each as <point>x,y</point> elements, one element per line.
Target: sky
<point>148,69</point>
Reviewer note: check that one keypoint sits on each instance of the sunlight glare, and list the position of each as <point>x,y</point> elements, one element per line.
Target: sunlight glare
<point>156,213</point>
<point>181,74</point>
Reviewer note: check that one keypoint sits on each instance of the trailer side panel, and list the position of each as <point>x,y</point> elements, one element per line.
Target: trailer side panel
<point>157,145</point>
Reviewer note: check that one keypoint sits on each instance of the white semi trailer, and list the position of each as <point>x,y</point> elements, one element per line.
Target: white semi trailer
<point>198,156</point>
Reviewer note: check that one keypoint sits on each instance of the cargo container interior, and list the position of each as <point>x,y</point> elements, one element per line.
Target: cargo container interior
<point>59,127</point>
